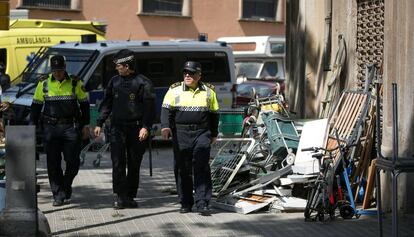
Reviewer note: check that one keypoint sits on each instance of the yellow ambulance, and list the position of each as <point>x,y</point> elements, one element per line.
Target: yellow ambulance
<point>20,43</point>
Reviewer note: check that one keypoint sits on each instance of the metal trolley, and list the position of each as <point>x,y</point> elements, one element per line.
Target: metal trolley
<point>99,144</point>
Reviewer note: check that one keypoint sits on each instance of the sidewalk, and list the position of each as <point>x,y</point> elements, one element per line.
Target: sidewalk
<point>91,212</point>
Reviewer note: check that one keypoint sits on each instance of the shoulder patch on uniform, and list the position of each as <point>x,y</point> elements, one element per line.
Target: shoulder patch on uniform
<point>209,85</point>
<point>42,77</point>
<point>177,84</point>
<point>75,78</point>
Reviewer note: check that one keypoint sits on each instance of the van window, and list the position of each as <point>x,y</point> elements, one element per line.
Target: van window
<point>102,74</point>
<point>75,62</point>
<point>164,68</point>
<point>269,70</point>
<point>248,69</point>
<point>214,66</point>
<point>159,67</point>
<point>277,48</point>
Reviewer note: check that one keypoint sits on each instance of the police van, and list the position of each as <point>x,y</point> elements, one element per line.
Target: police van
<point>25,37</point>
<point>258,57</point>
<point>161,61</point>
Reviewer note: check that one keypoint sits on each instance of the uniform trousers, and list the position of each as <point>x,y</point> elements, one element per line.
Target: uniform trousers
<point>126,155</point>
<point>58,139</point>
<point>191,166</point>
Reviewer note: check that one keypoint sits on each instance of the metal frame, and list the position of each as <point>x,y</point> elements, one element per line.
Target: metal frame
<point>227,170</point>
<point>396,165</point>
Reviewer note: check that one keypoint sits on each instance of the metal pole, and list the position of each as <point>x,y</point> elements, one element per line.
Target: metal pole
<point>379,156</point>
<point>378,196</point>
<point>394,122</point>
<point>394,159</point>
<point>150,153</point>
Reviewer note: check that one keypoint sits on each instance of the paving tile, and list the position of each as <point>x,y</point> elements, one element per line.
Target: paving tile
<point>91,213</point>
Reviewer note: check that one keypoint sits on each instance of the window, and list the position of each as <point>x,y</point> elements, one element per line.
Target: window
<point>51,4</point>
<point>163,7</point>
<point>248,69</point>
<point>259,9</point>
<point>102,74</point>
<point>269,70</point>
<point>76,63</point>
<point>277,48</point>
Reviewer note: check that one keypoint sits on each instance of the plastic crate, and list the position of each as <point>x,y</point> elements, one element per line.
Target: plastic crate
<point>231,123</point>
<point>93,111</point>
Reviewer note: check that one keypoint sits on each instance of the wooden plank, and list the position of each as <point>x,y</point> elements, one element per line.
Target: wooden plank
<point>370,185</point>
<point>346,127</point>
<point>353,116</point>
<point>344,110</point>
<point>365,158</point>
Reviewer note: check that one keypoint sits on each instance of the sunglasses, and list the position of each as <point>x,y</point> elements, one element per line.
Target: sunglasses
<point>189,73</point>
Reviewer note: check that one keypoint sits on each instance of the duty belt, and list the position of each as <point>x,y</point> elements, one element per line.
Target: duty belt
<point>123,122</point>
<point>191,127</point>
<point>54,120</point>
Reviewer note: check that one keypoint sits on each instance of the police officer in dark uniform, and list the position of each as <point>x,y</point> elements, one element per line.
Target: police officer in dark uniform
<point>130,100</point>
<point>190,115</point>
<point>65,115</point>
<point>4,78</point>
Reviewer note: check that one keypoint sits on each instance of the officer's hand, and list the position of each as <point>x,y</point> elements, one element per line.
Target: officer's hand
<point>85,132</point>
<point>143,134</point>
<point>213,140</point>
<point>97,131</point>
<point>165,133</point>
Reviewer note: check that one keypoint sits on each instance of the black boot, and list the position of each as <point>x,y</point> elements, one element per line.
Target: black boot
<point>130,202</point>
<point>203,209</point>
<point>185,209</point>
<point>57,202</point>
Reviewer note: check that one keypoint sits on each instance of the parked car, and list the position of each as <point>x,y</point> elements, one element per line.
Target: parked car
<point>263,88</point>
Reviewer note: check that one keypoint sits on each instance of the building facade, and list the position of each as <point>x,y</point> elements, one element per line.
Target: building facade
<point>375,32</point>
<point>167,19</point>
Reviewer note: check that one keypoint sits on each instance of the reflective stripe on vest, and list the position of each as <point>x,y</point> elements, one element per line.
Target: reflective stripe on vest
<point>177,97</point>
<point>208,90</point>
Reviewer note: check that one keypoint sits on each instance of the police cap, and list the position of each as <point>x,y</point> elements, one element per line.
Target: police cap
<point>124,56</point>
<point>192,66</point>
<point>57,63</point>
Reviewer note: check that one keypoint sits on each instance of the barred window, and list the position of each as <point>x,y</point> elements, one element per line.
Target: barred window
<point>50,4</point>
<point>259,9</point>
<point>169,7</point>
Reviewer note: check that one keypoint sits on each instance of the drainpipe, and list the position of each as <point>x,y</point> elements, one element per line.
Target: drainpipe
<point>327,37</point>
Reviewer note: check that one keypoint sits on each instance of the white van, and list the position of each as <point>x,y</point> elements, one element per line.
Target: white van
<point>258,57</point>
<point>161,61</point>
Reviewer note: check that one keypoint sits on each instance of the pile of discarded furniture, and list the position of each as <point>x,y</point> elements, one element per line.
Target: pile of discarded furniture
<point>281,164</point>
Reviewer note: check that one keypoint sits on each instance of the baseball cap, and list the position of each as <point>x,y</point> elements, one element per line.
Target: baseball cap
<point>57,63</point>
<point>192,66</point>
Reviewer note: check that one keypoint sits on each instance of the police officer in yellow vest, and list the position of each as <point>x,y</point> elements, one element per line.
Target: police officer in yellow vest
<point>190,115</point>
<point>65,116</point>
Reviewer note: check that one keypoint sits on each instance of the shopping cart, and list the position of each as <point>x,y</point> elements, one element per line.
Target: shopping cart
<point>99,144</point>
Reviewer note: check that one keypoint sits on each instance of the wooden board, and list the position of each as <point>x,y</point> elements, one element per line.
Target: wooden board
<point>370,185</point>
